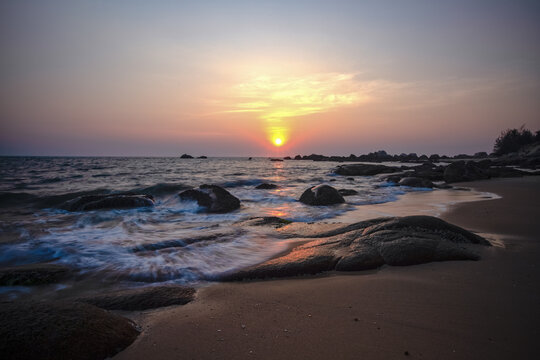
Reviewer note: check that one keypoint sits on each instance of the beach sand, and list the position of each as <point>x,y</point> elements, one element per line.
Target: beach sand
<point>485,309</point>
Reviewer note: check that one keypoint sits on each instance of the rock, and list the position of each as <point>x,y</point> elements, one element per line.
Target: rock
<point>370,244</point>
<point>275,159</point>
<point>264,221</point>
<point>186,156</point>
<point>107,202</point>
<point>202,157</point>
<point>364,169</point>
<point>150,297</point>
<point>415,182</point>
<point>298,157</point>
<point>505,172</point>
<point>32,274</point>
<point>62,330</point>
<point>266,186</point>
<point>464,171</point>
<point>287,158</point>
<point>212,198</point>
<point>321,195</point>
<point>347,192</point>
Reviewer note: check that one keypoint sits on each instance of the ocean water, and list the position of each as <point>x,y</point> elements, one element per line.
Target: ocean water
<point>173,241</point>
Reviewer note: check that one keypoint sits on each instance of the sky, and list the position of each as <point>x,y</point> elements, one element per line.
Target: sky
<point>265,78</point>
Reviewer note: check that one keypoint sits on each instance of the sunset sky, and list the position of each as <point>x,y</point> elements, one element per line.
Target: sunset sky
<point>228,78</point>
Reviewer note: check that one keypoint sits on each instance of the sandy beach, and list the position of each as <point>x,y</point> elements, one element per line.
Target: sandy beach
<point>485,309</point>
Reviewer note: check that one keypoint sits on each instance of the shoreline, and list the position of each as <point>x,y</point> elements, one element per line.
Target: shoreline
<point>446,310</point>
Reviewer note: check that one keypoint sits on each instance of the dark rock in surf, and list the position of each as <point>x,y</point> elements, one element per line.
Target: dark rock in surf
<point>415,182</point>
<point>108,202</point>
<point>150,297</point>
<point>321,195</point>
<point>186,156</point>
<point>266,186</point>
<point>32,274</point>
<point>347,192</point>
<point>364,169</point>
<point>370,244</point>
<point>62,330</point>
<point>202,157</point>
<point>212,198</point>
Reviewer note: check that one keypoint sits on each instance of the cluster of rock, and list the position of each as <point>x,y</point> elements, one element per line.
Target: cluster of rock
<point>528,157</point>
<point>370,244</point>
<point>187,156</point>
<point>75,328</point>
<point>424,175</point>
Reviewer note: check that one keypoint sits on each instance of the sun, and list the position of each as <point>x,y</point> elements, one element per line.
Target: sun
<point>278,141</point>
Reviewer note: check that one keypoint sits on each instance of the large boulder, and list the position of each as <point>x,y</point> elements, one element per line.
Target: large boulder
<point>212,198</point>
<point>150,297</point>
<point>108,202</point>
<point>459,171</point>
<point>364,169</point>
<point>415,182</point>
<point>371,244</point>
<point>32,274</point>
<point>62,330</point>
<point>321,195</point>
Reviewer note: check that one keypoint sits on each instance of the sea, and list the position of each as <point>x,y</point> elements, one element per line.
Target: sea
<point>173,241</point>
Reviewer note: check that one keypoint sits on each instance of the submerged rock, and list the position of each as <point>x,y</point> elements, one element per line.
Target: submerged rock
<point>266,186</point>
<point>370,244</point>
<point>321,195</point>
<point>212,198</point>
<point>264,221</point>
<point>347,192</point>
<point>62,330</point>
<point>364,169</point>
<point>141,299</point>
<point>108,202</point>
<point>415,182</point>
<point>32,274</point>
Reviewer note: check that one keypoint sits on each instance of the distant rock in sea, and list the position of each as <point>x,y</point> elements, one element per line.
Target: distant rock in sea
<point>364,169</point>
<point>212,198</point>
<point>202,157</point>
<point>186,156</point>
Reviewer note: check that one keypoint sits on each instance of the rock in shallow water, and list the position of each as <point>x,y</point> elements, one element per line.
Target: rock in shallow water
<point>32,274</point>
<point>212,198</point>
<point>321,195</point>
<point>364,169</point>
<point>370,244</point>
<point>142,299</point>
<point>62,330</point>
<point>108,202</point>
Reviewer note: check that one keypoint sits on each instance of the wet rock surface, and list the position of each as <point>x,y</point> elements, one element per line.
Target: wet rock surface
<point>141,299</point>
<point>62,330</point>
<point>212,198</point>
<point>370,244</point>
<point>347,192</point>
<point>108,202</point>
<point>32,274</point>
<point>321,195</point>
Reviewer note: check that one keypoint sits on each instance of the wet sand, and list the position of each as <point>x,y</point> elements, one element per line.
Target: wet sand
<point>485,309</point>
